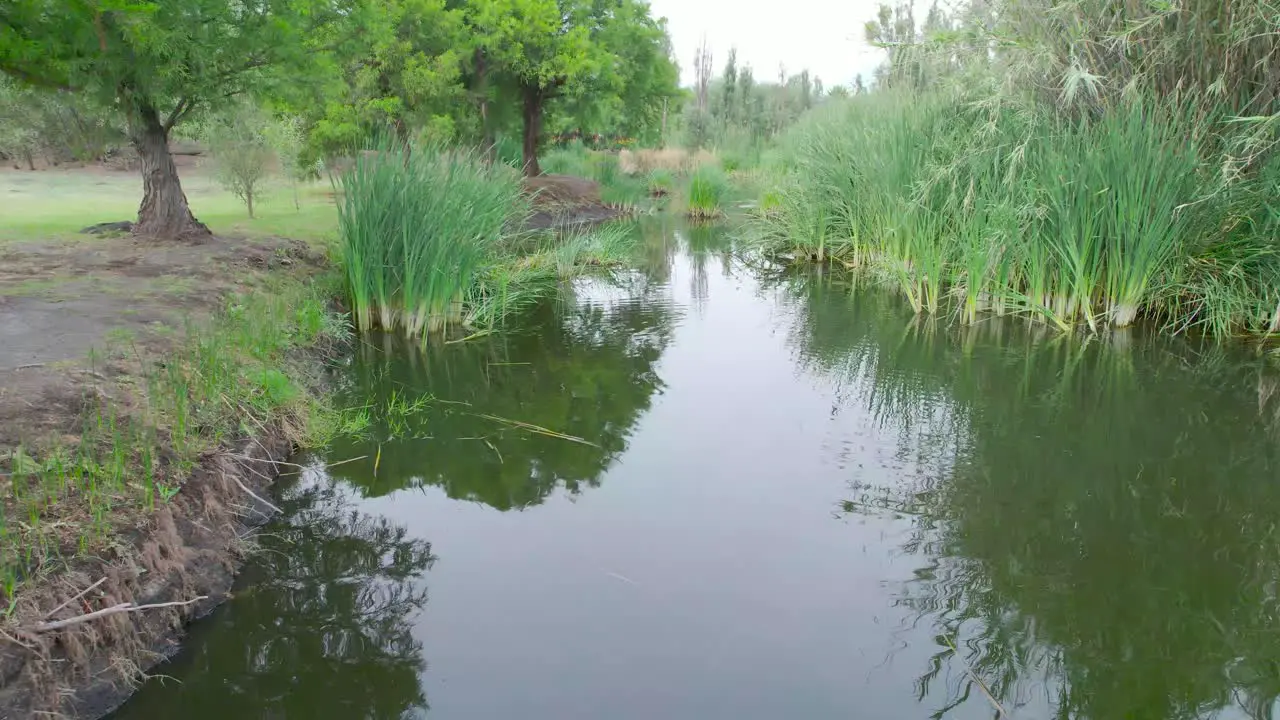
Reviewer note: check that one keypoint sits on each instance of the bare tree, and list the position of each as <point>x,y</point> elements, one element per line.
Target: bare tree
<point>702,74</point>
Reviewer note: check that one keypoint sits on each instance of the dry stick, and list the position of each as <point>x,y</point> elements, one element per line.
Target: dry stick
<point>76,597</point>
<point>535,429</point>
<point>268,461</point>
<point>252,494</point>
<point>1000,711</point>
<point>326,467</point>
<point>113,610</point>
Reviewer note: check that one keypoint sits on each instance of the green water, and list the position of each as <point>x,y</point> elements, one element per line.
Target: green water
<point>767,495</point>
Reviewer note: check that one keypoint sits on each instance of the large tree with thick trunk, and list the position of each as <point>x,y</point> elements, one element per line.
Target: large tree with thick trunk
<point>595,57</point>
<point>158,62</point>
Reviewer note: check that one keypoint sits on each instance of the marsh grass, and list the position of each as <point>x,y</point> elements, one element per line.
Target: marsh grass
<point>227,379</point>
<point>417,228</point>
<point>706,193</point>
<point>975,207</point>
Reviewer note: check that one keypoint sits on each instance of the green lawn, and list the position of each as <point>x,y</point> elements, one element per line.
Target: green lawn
<point>57,203</point>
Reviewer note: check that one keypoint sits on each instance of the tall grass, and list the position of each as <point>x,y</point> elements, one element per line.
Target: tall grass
<point>416,229</point>
<point>973,204</point>
<point>706,193</point>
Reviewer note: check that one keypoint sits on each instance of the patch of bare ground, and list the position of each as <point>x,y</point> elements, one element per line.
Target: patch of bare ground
<point>566,201</point>
<point>82,325</point>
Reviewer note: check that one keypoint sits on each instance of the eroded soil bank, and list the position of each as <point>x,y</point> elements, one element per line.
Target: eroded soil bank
<point>93,333</point>
<point>183,559</point>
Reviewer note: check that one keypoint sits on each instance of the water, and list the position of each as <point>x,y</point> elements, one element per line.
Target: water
<point>782,497</point>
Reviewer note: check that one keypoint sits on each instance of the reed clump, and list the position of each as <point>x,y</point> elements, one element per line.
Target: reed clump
<point>417,229</point>
<point>706,193</point>
<point>1110,166</point>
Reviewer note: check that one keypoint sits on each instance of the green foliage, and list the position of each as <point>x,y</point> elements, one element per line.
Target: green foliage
<point>152,59</point>
<point>980,207</point>
<point>401,74</point>
<point>417,226</point>
<point>706,193</point>
<point>240,143</point>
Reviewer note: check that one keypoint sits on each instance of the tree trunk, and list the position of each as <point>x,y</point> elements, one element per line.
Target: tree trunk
<point>487,141</point>
<point>248,200</point>
<point>164,213</point>
<point>533,98</point>
<point>31,161</point>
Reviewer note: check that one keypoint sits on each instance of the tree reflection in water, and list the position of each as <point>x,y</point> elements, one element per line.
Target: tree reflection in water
<point>1098,517</point>
<point>321,629</point>
<point>479,419</point>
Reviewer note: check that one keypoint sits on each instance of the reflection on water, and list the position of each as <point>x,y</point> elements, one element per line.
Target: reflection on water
<point>491,430</point>
<point>1100,527</point>
<point>320,627</point>
<point>803,502</point>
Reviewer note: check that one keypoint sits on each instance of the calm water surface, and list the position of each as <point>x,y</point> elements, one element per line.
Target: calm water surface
<point>780,496</point>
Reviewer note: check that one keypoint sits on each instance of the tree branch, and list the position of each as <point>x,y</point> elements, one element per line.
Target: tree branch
<point>179,111</point>
<point>113,610</point>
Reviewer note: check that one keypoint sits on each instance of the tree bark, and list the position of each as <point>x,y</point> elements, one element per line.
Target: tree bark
<point>487,141</point>
<point>533,101</point>
<point>164,213</point>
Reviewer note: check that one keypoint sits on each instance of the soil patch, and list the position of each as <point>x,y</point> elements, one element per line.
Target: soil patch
<point>80,322</point>
<point>566,201</point>
<point>61,300</point>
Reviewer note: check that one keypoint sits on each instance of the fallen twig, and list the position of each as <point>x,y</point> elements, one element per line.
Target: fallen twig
<point>268,461</point>
<point>252,494</point>
<point>113,610</point>
<point>74,598</point>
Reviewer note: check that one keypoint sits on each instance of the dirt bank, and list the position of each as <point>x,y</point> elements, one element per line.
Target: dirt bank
<point>186,553</point>
<point>131,375</point>
<point>565,201</point>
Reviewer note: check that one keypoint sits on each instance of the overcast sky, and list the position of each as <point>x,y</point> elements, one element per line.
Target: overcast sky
<point>825,36</point>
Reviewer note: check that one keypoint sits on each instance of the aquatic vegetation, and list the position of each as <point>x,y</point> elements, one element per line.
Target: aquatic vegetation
<point>417,228</point>
<point>661,182</point>
<point>973,207</point>
<point>706,193</point>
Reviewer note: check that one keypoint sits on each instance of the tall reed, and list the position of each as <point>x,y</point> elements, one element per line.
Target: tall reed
<point>416,227</point>
<point>976,204</point>
<point>706,193</point>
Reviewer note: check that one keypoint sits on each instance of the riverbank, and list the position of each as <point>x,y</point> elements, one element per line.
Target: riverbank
<point>147,393</point>
<point>147,390</point>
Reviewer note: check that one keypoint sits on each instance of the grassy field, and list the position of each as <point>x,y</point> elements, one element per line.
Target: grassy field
<point>57,203</point>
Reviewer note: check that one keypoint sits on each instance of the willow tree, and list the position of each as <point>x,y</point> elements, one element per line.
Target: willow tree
<point>157,62</point>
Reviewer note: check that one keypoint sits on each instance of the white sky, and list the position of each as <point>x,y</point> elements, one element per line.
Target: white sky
<point>825,36</point>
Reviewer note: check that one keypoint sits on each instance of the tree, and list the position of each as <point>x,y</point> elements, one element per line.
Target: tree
<point>241,147</point>
<point>596,55</point>
<point>540,47</point>
<point>401,66</point>
<point>625,95</point>
<point>728,86</point>
<point>158,63</point>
